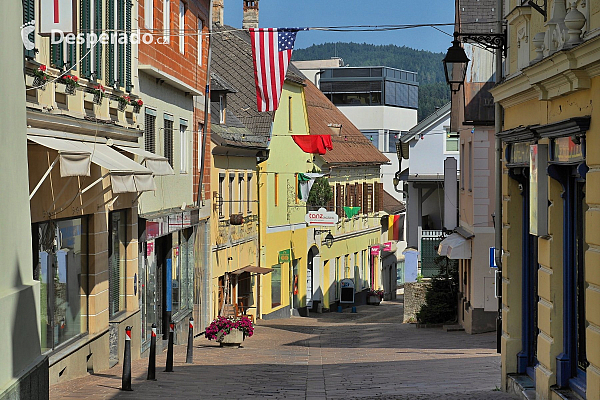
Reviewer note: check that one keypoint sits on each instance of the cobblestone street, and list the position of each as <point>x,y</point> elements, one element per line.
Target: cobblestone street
<point>368,355</point>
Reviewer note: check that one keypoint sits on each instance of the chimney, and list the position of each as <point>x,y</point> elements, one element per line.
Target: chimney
<point>250,14</point>
<point>217,11</point>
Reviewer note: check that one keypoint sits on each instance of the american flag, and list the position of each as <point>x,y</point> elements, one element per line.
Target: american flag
<point>271,53</point>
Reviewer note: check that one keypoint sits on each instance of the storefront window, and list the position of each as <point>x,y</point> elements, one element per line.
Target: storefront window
<point>117,261</point>
<point>60,259</point>
<point>183,271</point>
<point>276,285</point>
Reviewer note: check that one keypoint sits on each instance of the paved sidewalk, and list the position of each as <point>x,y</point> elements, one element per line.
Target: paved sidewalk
<point>368,355</point>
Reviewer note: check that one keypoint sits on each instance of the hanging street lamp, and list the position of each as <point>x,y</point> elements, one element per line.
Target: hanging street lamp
<point>455,65</point>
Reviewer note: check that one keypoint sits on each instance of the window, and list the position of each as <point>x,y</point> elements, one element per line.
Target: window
<point>393,138</point>
<point>149,14</point>
<point>462,166</point>
<point>183,144</point>
<point>276,186</point>
<point>117,265</point>
<point>183,273</point>
<point>452,139</point>
<point>346,266</point>
<point>290,113</point>
<point>249,193</point>
<point>181,27</point>
<point>230,198</point>
<point>200,40</point>
<point>60,265</point>
<point>221,109</point>
<point>166,20</point>
<point>470,166</point>
<point>241,193</point>
<point>221,193</point>
<point>168,138</point>
<point>150,130</point>
<point>276,285</point>
<point>337,278</point>
<point>363,266</point>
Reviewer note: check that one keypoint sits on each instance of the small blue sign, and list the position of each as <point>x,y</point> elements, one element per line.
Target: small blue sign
<point>493,257</point>
<point>135,284</point>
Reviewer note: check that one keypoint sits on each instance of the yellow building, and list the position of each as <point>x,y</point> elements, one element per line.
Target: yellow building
<point>550,282</point>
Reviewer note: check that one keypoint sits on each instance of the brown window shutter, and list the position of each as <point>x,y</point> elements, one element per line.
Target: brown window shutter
<point>370,207</point>
<point>348,202</point>
<point>378,196</point>
<point>359,194</point>
<point>331,203</point>
<point>365,202</point>
<point>338,199</point>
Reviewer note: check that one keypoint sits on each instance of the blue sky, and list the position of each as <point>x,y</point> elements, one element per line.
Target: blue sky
<point>291,13</point>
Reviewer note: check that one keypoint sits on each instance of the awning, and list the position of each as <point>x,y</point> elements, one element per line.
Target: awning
<point>74,160</point>
<point>253,270</point>
<point>159,165</point>
<point>126,175</point>
<point>455,247</point>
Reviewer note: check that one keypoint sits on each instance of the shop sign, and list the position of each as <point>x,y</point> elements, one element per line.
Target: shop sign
<point>519,153</point>
<point>285,256</point>
<point>322,217</point>
<point>149,248</point>
<point>375,250</point>
<point>538,190</point>
<point>567,151</point>
<point>387,246</point>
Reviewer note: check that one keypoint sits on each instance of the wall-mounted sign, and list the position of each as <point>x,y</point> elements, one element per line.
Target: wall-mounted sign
<point>387,246</point>
<point>538,190</point>
<point>321,217</point>
<point>285,256</point>
<point>57,15</point>
<point>519,153</point>
<point>375,250</point>
<point>564,150</point>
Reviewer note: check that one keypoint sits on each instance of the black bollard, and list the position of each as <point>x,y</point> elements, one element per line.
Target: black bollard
<point>170,348</point>
<point>189,359</point>
<point>152,356</point>
<point>126,380</point>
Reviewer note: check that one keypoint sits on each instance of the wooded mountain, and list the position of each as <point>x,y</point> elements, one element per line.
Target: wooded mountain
<point>433,90</point>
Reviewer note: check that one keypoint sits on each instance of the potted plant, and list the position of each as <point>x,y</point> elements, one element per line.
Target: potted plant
<point>374,297</point>
<point>236,219</point>
<point>229,331</point>
<point>98,92</point>
<point>70,82</point>
<point>40,78</point>
<point>137,104</point>
<point>123,101</point>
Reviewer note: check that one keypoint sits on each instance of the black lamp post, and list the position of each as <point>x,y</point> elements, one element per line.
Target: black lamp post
<point>455,65</point>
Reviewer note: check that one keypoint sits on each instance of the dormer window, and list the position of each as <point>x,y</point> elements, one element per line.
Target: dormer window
<point>222,109</point>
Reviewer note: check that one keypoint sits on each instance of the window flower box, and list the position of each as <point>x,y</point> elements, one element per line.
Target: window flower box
<point>40,78</point>
<point>137,105</point>
<point>123,101</point>
<point>70,82</point>
<point>98,92</point>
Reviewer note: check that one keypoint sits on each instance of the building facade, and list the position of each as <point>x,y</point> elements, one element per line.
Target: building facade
<point>550,201</point>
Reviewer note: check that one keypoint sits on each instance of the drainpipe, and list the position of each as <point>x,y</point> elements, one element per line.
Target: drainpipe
<point>498,181</point>
<point>206,103</point>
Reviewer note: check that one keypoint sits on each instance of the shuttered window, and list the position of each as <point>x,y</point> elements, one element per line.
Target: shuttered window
<point>359,198</point>
<point>29,16</point>
<point>120,45</point>
<point>56,55</point>
<point>128,84</point>
<point>98,29</point>
<point>110,47</point>
<point>117,261</point>
<point>71,56</point>
<point>150,131</point>
<point>378,203</point>
<point>368,197</point>
<point>200,41</point>
<point>85,24</point>
<point>331,203</point>
<point>168,139</point>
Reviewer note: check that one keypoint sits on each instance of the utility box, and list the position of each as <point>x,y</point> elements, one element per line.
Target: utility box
<point>347,295</point>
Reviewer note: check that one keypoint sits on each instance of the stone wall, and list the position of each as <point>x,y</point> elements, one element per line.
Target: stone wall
<point>414,298</point>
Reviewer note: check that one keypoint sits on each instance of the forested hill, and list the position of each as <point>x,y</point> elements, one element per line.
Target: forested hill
<point>433,90</point>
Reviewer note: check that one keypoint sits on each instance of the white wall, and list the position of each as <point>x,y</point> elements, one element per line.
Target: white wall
<point>380,117</point>
<point>427,155</point>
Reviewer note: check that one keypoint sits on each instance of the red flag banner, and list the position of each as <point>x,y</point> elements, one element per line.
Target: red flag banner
<point>271,53</point>
<point>314,144</point>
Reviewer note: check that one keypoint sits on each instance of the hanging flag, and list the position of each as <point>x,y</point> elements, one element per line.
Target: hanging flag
<point>271,54</point>
<point>314,144</point>
<point>394,227</point>
<point>351,211</point>
<point>305,183</point>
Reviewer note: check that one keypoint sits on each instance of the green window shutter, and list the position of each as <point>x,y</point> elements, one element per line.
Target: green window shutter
<point>28,16</point>
<point>85,23</point>
<point>71,56</point>
<point>110,52</point>
<point>98,48</point>
<point>128,85</point>
<point>56,55</point>
<point>121,55</point>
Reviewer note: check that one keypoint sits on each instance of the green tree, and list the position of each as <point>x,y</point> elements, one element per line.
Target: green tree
<point>320,193</point>
<point>441,298</point>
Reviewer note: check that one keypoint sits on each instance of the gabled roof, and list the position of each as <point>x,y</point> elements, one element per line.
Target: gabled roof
<point>391,205</point>
<point>218,84</point>
<point>350,146</point>
<point>430,120</point>
<point>232,62</point>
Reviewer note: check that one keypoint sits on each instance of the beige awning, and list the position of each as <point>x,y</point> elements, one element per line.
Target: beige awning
<point>74,160</point>
<point>159,165</point>
<point>253,270</point>
<point>455,247</point>
<point>126,175</point>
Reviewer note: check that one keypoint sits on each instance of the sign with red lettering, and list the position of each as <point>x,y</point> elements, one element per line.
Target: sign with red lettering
<point>322,217</point>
